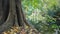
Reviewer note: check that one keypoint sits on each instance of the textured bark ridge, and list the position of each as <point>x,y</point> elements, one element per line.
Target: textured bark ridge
<point>7,14</point>
<point>11,14</point>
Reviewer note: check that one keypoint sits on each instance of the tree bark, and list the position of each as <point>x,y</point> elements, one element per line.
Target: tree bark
<point>12,14</point>
<point>8,23</point>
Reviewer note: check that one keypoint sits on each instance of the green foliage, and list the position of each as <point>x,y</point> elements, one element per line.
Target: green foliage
<point>41,14</point>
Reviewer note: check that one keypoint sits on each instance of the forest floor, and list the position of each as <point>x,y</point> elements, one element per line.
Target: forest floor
<point>20,30</point>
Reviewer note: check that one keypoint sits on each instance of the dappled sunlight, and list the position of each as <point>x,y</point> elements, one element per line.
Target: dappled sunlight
<point>20,30</point>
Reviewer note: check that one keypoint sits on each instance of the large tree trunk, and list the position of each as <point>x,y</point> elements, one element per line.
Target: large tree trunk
<point>11,14</point>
